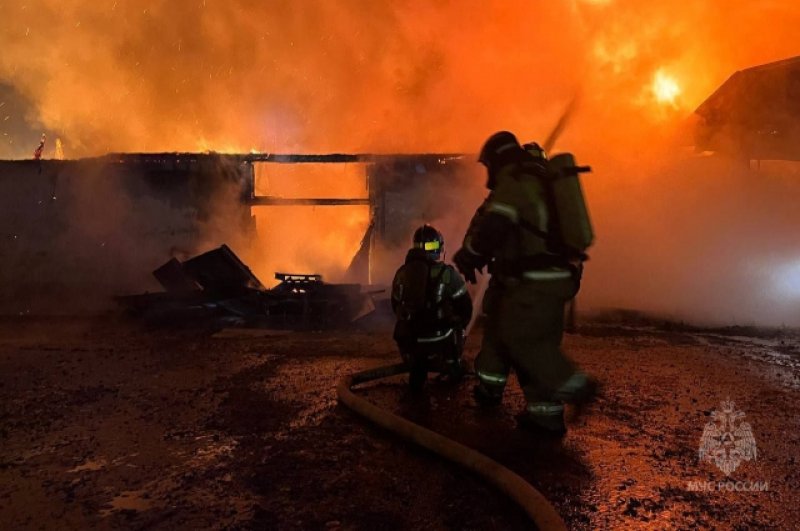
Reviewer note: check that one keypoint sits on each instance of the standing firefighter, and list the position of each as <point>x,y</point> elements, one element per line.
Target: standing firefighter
<point>433,308</point>
<point>531,232</point>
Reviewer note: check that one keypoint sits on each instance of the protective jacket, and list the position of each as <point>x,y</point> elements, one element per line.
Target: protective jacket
<point>510,230</point>
<point>429,298</point>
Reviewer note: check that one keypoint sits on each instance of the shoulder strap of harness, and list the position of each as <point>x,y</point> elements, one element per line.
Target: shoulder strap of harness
<point>431,286</point>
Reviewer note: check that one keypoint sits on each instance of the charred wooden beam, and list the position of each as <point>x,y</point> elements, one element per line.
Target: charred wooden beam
<point>344,157</point>
<point>277,158</point>
<point>286,201</point>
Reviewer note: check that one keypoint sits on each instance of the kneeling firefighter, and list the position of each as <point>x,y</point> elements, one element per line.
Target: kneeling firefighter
<point>433,308</point>
<point>531,232</point>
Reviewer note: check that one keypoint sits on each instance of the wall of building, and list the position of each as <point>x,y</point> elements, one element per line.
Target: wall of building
<point>75,233</point>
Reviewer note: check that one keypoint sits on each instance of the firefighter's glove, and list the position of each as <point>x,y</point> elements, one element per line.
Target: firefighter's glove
<point>468,263</point>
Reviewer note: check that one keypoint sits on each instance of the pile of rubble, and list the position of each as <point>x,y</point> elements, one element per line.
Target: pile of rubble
<point>218,286</point>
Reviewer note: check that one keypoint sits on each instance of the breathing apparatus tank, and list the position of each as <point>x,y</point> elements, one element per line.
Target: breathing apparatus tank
<point>570,231</point>
<point>569,205</point>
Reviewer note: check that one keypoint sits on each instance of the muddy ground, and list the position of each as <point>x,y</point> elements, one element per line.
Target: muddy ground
<point>107,424</point>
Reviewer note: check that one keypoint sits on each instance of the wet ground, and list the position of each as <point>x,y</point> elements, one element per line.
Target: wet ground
<point>107,424</point>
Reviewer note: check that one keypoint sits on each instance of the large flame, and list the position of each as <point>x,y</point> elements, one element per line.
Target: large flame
<point>665,88</point>
<point>358,75</point>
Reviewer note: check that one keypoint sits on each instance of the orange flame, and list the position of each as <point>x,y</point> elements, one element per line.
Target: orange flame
<point>665,88</point>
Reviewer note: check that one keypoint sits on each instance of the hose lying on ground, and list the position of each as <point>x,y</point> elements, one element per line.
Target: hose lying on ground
<point>531,500</point>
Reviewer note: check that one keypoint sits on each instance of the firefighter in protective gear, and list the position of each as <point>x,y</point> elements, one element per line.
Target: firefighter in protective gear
<point>530,284</point>
<point>433,308</point>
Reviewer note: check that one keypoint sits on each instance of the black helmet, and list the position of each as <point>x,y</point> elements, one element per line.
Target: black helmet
<point>535,150</point>
<point>500,147</point>
<point>429,240</point>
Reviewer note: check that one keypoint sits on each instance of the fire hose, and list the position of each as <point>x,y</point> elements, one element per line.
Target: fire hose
<point>514,486</point>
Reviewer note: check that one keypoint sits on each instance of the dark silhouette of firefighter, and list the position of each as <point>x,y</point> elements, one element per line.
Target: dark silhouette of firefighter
<point>531,232</point>
<point>433,308</point>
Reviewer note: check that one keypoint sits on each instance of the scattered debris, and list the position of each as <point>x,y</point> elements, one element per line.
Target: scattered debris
<point>218,286</point>
<point>221,273</point>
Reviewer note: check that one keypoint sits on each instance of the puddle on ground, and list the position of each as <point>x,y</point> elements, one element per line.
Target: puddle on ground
<point>213,451</point>
<point>779,354</point>
<point>129,500</point>
<point>89,466</point>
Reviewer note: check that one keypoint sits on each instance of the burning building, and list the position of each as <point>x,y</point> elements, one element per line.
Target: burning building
<point>755,114</point>
<point>97,227</point>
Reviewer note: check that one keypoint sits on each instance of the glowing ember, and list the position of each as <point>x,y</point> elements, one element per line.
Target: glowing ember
<point>665,88</point>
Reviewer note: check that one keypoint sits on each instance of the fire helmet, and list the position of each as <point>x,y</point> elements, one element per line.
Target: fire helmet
<point>535,150</point>
<point>429,240</point>
<point>500,147</point>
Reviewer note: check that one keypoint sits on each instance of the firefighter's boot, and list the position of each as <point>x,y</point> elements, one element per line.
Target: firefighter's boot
<point>579,389</point>
<point>544,418</point>
<point>486,396</point>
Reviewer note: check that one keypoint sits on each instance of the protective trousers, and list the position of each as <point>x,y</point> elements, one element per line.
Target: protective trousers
<point>524,328</point>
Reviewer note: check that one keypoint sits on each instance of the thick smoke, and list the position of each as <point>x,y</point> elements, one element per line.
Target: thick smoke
<point>349,76</point>
<point>676,234</point>
<point>699,239</point>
